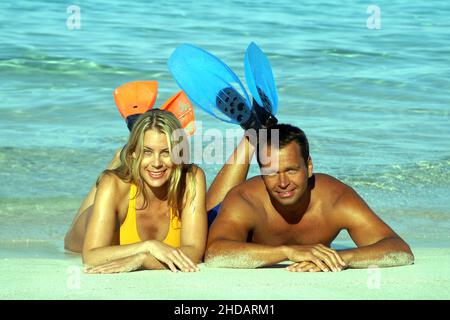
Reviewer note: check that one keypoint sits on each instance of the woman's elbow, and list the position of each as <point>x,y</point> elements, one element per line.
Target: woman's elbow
<point>194,253</point>
<point>198,255</point>
<point>87,258</point>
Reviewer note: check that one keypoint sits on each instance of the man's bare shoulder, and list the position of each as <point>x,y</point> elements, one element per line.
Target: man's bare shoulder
<point>338,200</point>
<point>328,189</point>
<point>250,190</point>
<point>245,199</point>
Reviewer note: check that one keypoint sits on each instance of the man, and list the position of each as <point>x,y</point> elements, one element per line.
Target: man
<point>290,214</point>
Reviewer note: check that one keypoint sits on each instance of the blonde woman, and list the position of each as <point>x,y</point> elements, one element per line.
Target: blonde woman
<point>146,211</point>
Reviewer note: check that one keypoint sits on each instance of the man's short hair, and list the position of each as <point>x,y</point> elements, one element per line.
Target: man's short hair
<point>286,134</point>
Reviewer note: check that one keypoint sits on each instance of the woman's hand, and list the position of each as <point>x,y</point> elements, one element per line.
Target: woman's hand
<point>172,257</point>
<point>127,264</point>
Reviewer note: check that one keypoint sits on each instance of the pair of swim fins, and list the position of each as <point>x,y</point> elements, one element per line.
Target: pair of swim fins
<point>213,86</point>
<point>137,97</point>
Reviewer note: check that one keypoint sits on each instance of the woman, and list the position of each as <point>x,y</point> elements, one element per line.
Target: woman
<point>132,218</point>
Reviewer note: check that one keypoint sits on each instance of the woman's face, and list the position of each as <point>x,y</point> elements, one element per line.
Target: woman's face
<point>156,165</point>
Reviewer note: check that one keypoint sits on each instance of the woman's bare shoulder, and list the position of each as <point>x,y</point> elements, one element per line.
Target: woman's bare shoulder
<point>195,172</point>
<point>111,182</point>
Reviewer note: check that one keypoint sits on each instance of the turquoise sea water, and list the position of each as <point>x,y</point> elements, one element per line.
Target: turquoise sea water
<point>374,102</point>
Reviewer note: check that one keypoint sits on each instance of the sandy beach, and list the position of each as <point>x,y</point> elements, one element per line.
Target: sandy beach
<point>365,83</point>
<point>50,278</point>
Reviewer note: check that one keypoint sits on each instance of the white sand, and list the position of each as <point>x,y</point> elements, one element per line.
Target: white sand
<point>37,278</point>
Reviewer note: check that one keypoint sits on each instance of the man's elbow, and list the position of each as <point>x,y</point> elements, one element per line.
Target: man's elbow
<point>411,259</point>
<point>399,259</point>
<point>406,254</point>
<point>218,255</point>
<point>409,255</point>
<point>403,256</point>
<point>211,254</point>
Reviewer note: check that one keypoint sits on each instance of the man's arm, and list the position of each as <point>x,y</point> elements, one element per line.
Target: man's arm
<point>227,246</point>
<point>377,243</point>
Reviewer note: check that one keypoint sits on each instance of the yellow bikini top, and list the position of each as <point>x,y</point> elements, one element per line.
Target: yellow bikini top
<point>128,229</point>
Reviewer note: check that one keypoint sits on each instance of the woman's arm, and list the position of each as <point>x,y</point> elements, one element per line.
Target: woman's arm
<point>194,226</point>
<point>97,248</point>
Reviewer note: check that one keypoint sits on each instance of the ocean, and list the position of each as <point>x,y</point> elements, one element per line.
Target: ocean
<point>369,86</point>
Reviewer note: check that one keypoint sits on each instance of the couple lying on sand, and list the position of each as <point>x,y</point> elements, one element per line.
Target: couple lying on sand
<point>148,211</point>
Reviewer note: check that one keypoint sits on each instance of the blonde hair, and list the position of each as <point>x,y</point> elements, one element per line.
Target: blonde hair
<point>128,169</point>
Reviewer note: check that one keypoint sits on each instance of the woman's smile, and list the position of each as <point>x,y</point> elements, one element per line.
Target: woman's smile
<point>156,174</point>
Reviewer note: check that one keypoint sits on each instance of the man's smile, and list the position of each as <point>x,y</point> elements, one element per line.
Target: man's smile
<point>286,193</point>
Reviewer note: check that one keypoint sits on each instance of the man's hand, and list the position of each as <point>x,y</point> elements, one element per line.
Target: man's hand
<point>305,266</point>
<point>127,264</point>
<point>321,256</point>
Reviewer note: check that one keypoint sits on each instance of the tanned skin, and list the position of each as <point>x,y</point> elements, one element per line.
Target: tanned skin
<point>95,232</point>
<point>291,214</point>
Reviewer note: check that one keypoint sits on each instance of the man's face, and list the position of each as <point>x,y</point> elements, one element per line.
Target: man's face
<point>288,181</point>
<point>156,165</point>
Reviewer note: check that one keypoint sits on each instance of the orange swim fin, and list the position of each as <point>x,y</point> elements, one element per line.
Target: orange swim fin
<point>135,97</point>
<point>181,107</point>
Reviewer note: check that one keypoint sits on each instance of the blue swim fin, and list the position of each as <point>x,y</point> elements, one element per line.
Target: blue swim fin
<point>210,84</point>
<point>259,77</point>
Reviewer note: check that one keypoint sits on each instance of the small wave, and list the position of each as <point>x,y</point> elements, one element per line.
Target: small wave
<point>352,53</point>
<point>52,64</point>
<point>402,179</point>
<point>421,172</point>
<point>23,242</point>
